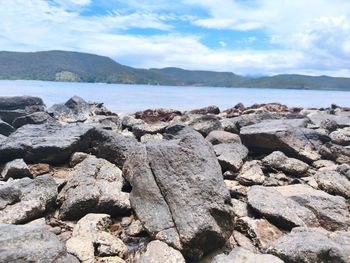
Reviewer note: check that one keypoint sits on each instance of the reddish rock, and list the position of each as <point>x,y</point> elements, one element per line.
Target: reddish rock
<point>206,110</point>
<point>39,169</point>
<point>157,115</point>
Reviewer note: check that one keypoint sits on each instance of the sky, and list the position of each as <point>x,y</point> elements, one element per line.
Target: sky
<point>247,37</point>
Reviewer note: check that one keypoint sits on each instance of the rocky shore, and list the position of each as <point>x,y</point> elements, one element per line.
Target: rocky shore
<point>265,183</point>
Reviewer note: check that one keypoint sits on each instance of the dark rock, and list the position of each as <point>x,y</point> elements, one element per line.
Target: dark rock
<point>176,177</point>
<point>333,183</point>
<point>231,156</point>
<point>286,136</point>
<point>5,128</point>
<point>217,137</point>
<point>31,243</point>
<point>206,110</point>
<point>16,169</point>
<point>335,153</point>
<point>279,161</point>
<point>157,115</point>
<point>34,118</point>
<point>94,186</point>
<point>241,255</point>
<point>304,245</point>
<point>20,102</point>
<point>37,196</point>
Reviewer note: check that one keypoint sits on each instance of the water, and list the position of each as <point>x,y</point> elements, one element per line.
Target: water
<point>131,98</point>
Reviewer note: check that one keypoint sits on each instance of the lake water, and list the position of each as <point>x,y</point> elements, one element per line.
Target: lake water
<point>130,98</point>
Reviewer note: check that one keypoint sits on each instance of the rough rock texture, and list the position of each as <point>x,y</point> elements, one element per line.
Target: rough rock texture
<point>50,143</point>
<point>279,210</point>
<point>160,252</point>
<point>34,118</point>
<point>306,245</point>
<point>19,102</point>
<point>341,137</point>
<point>94,185</point>
<point>29,199</point>
<point>141,129</point>
<point>16,169</point>
<point>176,177</point>
<point>317,118</point>
<point>91,238</point>
<point>241,255</point>
<point>31,243</point>
<point>207,110</point>
<point>204,124</point>
<point>331,211</point>
<point>279,161</point>
<point>251,174</point>
<point>335,152</point>
<point>286,136</point>
<point>5,128</point>
<point>333,182</point>
<point>157,115</point>
<point>217,137</point>
<point>231,156</point>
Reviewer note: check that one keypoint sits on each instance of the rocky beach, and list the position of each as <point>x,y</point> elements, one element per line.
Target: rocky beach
<point>265,183</point>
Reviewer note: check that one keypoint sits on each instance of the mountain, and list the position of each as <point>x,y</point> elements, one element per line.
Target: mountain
<point>82,67</point>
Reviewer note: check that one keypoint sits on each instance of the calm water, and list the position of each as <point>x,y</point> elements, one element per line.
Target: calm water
<point>130,98</point>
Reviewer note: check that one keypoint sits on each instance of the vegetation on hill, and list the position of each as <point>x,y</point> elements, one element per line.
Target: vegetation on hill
<point>82,67</point>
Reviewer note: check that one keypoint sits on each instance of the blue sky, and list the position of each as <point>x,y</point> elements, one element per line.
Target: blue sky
<point>249,37</point>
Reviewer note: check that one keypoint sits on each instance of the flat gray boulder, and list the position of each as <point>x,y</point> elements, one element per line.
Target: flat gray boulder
<point>333,182</point>
<point>160,252</point>
<point>179,180</point>
<point>231,156</point>
<point>31,243</point>
<point>217,137</point>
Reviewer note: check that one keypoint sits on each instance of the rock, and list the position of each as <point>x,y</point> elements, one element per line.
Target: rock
<point>34,118</point>
<point>344,169</point>
<point>49,143</point>
<point>16,169</point>
<point>36,245</point>
<point>328,125</point>
<point>111,260</point>
<point>36,197</point>
<point>110,122</point>
<point>335,153</point>
<point>251,174</point>
<point>217,137</point>
<point>5,128</point>
<point>19,102</point>
<point>286,136</point>
<point>149,137</point>
<point>231,156</point>
<point>129,121</point>
<point>140,130</point>
<point>331,211</point>
<point>230,125</point>
<point>39,169</point>
<point>279,161</point>
<point>304,245</point>
<point>157,115</point>
<point>135,229</point>
<point>260,231</point>
<point>91,238</point>
<point>94,186</point>
<point>160,252</point>
<point>333,183</point>
<point>237,190</point>
<point>204,124</point>
<point>323,163</point>
<point>279,210</point>
<point>244,242</point>
<point>175,177</point>
<point>206,110</point>
<point>318,117</point>
<point>241,255</point>
<point>341,137</point>
<point>277,179</point>
<point>240,209</point>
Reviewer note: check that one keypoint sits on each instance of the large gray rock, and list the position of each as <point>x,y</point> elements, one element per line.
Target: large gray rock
<point>241,255</point>
<point>231,155</point>
<point>180,181</point>
<point>318,118</point>
<point>39,117</point>
<point>160,252</point>
<point>279,210</point>
<point>279,161</point>
<point>49,143</point>
<point>333,182</point>
<point>94,186</point>
<point>16,169</point>
<point>306,245</point>
<point>335,153</point>
<point>331,211</point>
<point>287,136</point>
<point>204,124</point>
<point>341,136</point>
<point>217,137</point>
<point>5,128</point>
<point>29,199</point>
<point>31,243</point>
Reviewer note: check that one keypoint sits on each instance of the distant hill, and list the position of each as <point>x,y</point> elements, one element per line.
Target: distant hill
<point>82,67</point>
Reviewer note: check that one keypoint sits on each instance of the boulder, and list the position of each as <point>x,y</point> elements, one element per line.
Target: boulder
<point>335,153</point>
<point>279,161</point>
<point>26,199</point>
<point>331,211</point>
<point>206,110</point>
<point>318,117</point>
<point>157,115</point>
<point>129,121</point>
<point>91,238</point>
<point>160,252</point>
<point>231,156</point>
<point>344,169</point>
<point>341,137</point>
<point>304,245</point>
<point>94,186</point>
<point>279,210</point>
<point>141,129</point>
<point>175,177</point>
<point>251,174</point>
<point>51,143</point>
<point>333,182</point>
<point>241,255</point>
<point>204,124</point>
<point>34,118</point>
<point>16,169</point>
<point>5,128</point>
<point>217,137</point>
<point>31,243</point>
<point>286,136</point>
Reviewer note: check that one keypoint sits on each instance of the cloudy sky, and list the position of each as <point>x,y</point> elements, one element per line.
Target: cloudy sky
<point>250,37</point>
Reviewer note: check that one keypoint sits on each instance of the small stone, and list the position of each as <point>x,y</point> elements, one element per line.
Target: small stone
<point>39,169</point>
<point>251,174</point>
<point>135,229</point>
<point>16,169</point>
